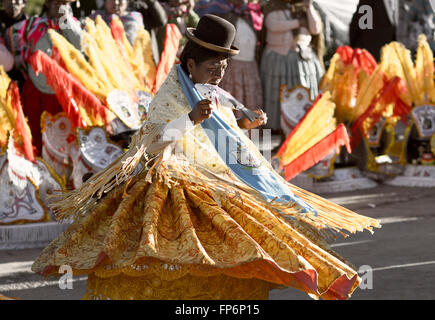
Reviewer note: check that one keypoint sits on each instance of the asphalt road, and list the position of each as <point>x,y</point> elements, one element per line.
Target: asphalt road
<point>400,256</point>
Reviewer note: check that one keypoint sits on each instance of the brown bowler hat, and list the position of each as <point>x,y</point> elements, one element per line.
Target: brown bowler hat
<point>214,33</point>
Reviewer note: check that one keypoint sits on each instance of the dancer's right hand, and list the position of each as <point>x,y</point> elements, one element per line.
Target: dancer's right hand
<point>201,111</point>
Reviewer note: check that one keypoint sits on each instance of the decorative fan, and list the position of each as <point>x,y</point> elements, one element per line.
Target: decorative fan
<point>19,197</point>
<point>316,136</point>
<point>424,118</point>
<point>121,104</point>
<point>95,149</point>
<point>57,136</point>
<point>294,104</point>
<point>215,93</point>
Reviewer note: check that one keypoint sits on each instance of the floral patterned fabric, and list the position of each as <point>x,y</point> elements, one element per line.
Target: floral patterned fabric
<point>205,232</point>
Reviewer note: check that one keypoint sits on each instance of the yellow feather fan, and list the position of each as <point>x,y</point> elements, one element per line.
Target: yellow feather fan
<point>7,119</point>
<point>101,74</point>
<point>120,72</point>
<point>77,65</point>
<point>335,70</point>
<point>369,87</point>
<point>134,68</point>
<point>143,57</point>
<point>424,68</point>
<point>396,61</point>
<point>319,123</point>
<point>344,94</point>
<point>139,56</point>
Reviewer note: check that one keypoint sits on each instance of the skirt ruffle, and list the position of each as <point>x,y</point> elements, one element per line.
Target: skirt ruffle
<point>175,228</point>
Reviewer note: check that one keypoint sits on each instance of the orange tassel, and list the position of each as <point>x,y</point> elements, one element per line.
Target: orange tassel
<point>390,93</point>
<point>21,126</point>
<point>69,91</point>
<point>287,140</point>
<point>319,151</point>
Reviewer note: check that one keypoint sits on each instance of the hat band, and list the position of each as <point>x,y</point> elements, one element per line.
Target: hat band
<point>210,46</point>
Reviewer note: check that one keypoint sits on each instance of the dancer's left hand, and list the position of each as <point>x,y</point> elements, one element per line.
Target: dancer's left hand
<point>245,123</point>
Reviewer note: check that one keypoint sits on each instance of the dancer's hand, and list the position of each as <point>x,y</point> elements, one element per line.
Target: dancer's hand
<point>201,111</point>
<point>245,123</point>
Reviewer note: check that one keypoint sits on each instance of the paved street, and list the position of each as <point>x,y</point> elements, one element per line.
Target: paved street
<point>401,253</point>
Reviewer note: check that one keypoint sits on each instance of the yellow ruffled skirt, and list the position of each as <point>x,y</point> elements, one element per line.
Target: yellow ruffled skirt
<point>182,238</point>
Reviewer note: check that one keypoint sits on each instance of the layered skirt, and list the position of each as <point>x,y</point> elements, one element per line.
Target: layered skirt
<point>291,70</point>
<point>178,233</point>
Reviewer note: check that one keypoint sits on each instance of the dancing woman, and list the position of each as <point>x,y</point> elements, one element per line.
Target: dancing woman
<point>193,211</point>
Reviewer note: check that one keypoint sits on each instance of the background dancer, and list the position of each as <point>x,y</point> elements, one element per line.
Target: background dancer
<point>288,57</point>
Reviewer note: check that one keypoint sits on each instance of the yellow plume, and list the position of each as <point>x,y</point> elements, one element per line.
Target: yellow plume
<point>368,89</point>
<point>139,57</point>
<point>318,123</point>
<point>424,67</point>
<point>145,67</point>
<point>77,65</point>
<point>121,71</point>
<point>336,67</point>
<point>7,119</point>
<point>134,68</point>
<point>396,61</point>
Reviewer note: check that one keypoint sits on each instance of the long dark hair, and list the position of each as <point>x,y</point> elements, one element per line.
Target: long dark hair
<point>198,54</point>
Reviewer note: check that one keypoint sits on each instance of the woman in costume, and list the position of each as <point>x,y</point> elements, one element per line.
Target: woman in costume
<point>27,37</point>
<point>192,210</point>
<point>288,57</point>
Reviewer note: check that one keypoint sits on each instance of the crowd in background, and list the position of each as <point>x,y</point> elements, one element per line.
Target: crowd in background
<point>281,42</point>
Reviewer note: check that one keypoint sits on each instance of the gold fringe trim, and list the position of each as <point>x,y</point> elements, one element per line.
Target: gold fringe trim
<point>76,203</point>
